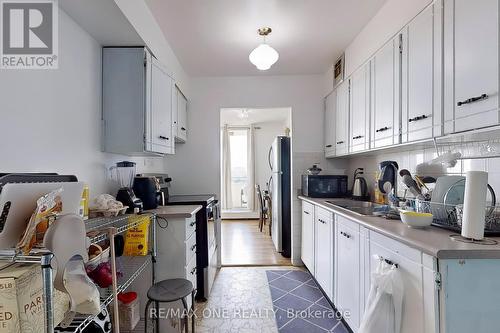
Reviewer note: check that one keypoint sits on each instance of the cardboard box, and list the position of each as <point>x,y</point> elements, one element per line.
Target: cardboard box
<point>22,309</point>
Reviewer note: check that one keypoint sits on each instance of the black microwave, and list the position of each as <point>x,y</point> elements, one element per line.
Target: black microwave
<point>324,186</point>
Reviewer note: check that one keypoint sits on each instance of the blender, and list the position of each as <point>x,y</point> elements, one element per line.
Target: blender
<point>124,173</point>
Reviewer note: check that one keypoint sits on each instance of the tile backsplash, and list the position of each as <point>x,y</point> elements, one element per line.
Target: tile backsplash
<point>410,159</point>
<point>304,160</point>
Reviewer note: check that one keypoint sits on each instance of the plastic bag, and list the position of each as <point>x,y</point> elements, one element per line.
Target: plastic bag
<point>383,310</point>
<point>137,238</point>
<point>38,224</point>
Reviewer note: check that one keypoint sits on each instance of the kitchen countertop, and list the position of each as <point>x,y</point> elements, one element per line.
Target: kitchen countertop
<point>431,240</point>
<point>176,211</point>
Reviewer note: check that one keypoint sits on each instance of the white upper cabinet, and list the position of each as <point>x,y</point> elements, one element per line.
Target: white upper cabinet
<point>330,106</point>
<point>421,76</point>
<point>471,64</point>
<point>385,96</point>
<point>360,110</point>
<point>342,119</point>
<point>137,102</point>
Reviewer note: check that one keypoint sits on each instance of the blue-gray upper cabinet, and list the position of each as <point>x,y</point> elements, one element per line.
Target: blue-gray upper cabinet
<point>385,111</point>
<point>137,103</point>
<point>180,109</point>
<point>471,39</point>
<point>421,72</point>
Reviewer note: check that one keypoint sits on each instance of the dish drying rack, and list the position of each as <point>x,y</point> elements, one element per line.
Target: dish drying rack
<point>449,216</point>
<point>480,144</point>
<point>103,228</point>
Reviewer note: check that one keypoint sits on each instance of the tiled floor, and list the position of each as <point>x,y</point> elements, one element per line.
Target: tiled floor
<point>241,301</point>
<point>300,305</point>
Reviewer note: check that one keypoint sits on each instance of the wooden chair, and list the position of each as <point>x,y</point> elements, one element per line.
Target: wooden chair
<point>269,207</point>
<point>262,208</point>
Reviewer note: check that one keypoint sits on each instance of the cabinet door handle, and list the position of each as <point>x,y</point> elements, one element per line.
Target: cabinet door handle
<point>340,142</point>
<point>193,271</point>
<point>417,118</point>
<point>163,137</point>
<point>193,247</point>
<point>328,146</point>
<point>183,129</point>
<point>473,99</point>
<point>382,129</point>
<point>345,234</point>
<point>357,137</point>
<point>324,222</point>
<point>192,223</point>
<point>305,212</point>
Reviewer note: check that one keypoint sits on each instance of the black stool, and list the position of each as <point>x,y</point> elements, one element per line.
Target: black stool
<point>167,291</point>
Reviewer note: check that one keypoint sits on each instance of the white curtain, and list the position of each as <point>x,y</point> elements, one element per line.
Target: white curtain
<point>251,169</point>
<point>227,197</point>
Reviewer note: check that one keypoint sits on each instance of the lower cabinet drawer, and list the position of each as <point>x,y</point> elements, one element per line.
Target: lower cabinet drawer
<point>191,276</point>
<point>191,271</point>
<point>396,247</point>
<point>190,247</point>
<point>348,223</point>
<point>190,226</point>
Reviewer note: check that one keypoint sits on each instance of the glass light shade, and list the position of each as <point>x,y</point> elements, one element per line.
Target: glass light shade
<point>263,57</point>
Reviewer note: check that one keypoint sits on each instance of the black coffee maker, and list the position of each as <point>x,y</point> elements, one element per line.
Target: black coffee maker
<point>152,189</point>
<point>124,172</point>
<point>148,190</point>
<point>388,180</point>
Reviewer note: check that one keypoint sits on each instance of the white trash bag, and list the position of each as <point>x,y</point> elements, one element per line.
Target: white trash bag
<point>383,311</point>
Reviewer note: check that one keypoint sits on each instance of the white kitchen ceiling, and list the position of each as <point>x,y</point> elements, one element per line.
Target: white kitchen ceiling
<point>215,37</point>
<point>233,116</point>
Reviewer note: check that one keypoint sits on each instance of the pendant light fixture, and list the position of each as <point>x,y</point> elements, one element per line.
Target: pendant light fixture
<point>263,56</point>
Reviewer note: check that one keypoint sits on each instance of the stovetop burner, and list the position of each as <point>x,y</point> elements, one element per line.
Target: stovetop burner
<point>191,198</point>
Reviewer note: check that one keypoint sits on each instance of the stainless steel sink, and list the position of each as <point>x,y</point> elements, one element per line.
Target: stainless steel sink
<point>365,208</point>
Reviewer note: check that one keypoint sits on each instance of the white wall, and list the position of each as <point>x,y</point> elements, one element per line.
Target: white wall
<point>51,118</point>
<point>393,16</point>
<point>141,18</point>
<point>195,167</point>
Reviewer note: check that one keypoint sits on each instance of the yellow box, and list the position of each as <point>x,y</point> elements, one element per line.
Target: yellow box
<point>21,300</point>
<point>137,238</point>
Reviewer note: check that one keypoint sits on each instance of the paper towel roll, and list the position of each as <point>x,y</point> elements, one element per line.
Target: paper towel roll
<point>476,186</point>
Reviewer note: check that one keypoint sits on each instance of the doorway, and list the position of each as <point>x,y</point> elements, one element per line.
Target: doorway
<point>246,180</point>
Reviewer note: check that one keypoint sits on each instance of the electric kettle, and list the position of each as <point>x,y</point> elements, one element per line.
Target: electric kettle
<point>359,187</point>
